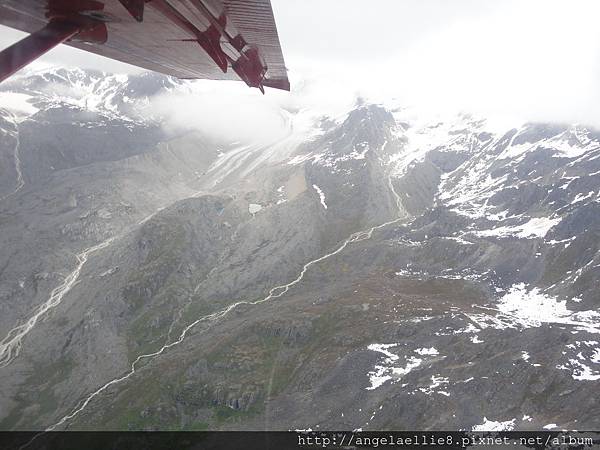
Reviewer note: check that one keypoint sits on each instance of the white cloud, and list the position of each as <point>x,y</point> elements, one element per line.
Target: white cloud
<point>534,60</point>
<point>222,110</point>
<point>513,59</point>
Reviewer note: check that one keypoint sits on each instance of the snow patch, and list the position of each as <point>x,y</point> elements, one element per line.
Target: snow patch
<point>533,308</point>
<point>491,425</point>
<point>535,228</point>
<point>587,354</point>
<point>436,382</point>
<point>388,369</point>
<point>253,208</point>
<point>427,351</point>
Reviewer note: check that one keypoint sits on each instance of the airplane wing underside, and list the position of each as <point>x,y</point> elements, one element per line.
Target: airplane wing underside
<point>214,39</point>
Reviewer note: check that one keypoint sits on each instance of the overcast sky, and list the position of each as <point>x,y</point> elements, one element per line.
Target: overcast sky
<point>527,59</point>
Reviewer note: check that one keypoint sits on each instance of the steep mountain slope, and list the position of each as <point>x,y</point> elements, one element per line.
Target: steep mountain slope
<point>71,187</point>
<point>385,273</point>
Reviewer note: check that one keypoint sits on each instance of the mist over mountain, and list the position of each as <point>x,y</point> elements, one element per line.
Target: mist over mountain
<point>371,270</point>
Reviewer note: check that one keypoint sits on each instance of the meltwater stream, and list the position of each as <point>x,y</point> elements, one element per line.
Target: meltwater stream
<point>274,292</point>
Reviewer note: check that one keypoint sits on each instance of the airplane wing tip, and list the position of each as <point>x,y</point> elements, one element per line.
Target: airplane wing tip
<point>279,83</point>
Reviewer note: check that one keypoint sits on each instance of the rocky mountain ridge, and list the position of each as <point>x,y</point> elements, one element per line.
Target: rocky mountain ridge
<point>383,273</point>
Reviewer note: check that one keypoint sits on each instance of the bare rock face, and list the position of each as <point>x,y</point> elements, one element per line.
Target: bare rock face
<point>380,274</point>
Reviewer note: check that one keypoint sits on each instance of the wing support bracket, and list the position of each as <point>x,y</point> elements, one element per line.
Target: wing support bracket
<point>37,44</point>
<point>80,20</point>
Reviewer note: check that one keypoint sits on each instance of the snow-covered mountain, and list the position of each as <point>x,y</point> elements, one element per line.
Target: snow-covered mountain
<point>369,271</point>
<point>112,96</point>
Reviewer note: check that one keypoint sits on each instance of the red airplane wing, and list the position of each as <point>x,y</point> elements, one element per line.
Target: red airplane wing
<point>214,39</point>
